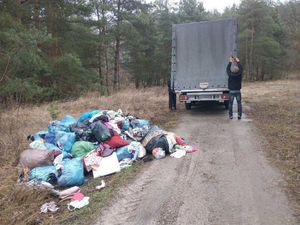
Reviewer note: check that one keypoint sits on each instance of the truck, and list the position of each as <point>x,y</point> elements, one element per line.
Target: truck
<point>200,53</point>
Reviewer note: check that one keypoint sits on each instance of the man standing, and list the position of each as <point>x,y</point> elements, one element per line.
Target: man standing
<point>234,71</point>
<point>172,96</point>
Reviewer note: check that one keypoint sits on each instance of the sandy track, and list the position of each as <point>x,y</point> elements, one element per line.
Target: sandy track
<point>228,181</point>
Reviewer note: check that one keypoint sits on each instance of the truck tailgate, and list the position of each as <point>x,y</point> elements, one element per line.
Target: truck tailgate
<point>200,53</point>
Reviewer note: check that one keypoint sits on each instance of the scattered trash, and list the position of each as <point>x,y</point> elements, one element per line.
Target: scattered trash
<point>108,165</point>
<point>81,148</point>
<point>102,142</point>
<point>178,154</point>
<point>71,173</point>
<point>124,163</point>
<point>186,148</point>
<point>65,140</point>
<point>32,158</point>
<point>58,161</point>
<point>68,192</point>
<point>78,202</point>
<point>49,207</point>
<point>99,187</point>
<point>148,158</point>
<point>101,131</point>
<point>116,141</point>
<point>123,153</point>
<point>138,149</point>
<point>78,196</point>
<point>87,115</point>
<point>91,160</point>
<point>38,144</point>
<point>105,150</point>
<point>42,173</point>
<point>158,153</point>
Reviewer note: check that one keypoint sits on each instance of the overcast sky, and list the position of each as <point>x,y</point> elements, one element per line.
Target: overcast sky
<point>210,5</point>
<point>218,5</point>
<point>215,4</point>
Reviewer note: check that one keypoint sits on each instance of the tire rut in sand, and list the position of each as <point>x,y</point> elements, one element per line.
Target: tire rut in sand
<point>124,206</point>
<point>228,181</point>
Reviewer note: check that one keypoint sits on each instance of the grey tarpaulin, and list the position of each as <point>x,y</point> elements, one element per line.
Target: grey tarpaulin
<point>200,53</point>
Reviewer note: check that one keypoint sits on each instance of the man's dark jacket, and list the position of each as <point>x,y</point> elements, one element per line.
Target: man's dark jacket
<point>235,79</point>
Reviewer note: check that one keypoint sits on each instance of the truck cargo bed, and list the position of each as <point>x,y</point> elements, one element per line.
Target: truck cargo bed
<point>200,54</point>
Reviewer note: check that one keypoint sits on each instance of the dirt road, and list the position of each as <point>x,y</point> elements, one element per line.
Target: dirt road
<point>228,181</point>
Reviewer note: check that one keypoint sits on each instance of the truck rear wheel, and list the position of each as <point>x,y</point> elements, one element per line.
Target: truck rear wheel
<point>188,106</point>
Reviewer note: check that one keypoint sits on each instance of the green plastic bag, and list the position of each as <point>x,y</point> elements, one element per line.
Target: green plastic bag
<point>81,148</point>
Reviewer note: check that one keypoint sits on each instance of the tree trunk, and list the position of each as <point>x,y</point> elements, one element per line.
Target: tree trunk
<point>262,73</point>
<point>101,15</point>
<point>107,71</point>
<point>18,11</point>
<point>247,60</point>
<point>117,50</point>
<point>36,16</point>
<point>51,27</point>
<point>100,70</point>
<point>117,63</point>
<point>99,52</point>
<point>251,52</point>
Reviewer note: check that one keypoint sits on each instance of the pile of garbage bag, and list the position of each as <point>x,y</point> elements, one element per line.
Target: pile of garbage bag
<point>100,142</point>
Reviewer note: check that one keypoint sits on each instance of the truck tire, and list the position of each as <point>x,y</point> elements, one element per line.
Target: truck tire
<point>226,104</point>
<point>188,106</point>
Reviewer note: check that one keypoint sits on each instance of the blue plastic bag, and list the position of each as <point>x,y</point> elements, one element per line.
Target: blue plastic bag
<point>50,138</point>
<point>125,125</point>
<point>123,153</point>
<point>39,135</point>
<point>72,173</point>
<point>139,123</point>
<point>143,122</point>
<point>55,126</point>
<point>67,121</point>
<point>65,140</point>
<point>87,115</point>
<point>63,125</point>
<point>51,147</point>
<point>42,173</point>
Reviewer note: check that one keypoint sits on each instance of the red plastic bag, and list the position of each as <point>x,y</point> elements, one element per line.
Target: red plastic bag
<point>116,141</point>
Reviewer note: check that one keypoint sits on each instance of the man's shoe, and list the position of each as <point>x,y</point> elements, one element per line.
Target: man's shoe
<point>231,117</point>
<point>239,117</point>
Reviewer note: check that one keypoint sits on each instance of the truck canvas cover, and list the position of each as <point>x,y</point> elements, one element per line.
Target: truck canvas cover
<point>200,53</point>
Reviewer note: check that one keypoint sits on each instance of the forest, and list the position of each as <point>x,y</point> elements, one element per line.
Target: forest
<point>62,49</point>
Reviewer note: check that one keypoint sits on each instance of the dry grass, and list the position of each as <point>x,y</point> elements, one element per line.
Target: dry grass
<point>19,204</point>
<point>275,107</point>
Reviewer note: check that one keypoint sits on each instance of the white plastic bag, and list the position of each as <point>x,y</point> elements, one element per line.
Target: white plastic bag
<point>158,153</point>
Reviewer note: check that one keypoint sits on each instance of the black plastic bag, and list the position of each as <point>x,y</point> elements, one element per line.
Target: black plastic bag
<point>101,132</point>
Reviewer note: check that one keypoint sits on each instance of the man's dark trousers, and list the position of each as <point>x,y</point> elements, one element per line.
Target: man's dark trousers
<point>172,100</point>
<point>235,94</point>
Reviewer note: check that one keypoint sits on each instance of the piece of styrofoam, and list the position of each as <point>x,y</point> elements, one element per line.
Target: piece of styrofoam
<point>108,165</point>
